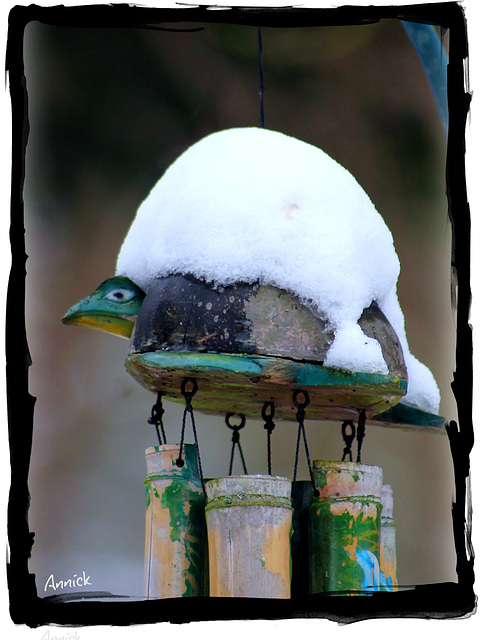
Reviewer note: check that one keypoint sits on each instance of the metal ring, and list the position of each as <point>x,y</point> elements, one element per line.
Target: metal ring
<point>348,438</point>
<point>233,426</point>
<point>296,402</point>
<point>185,382</point>
<point>268,416</point>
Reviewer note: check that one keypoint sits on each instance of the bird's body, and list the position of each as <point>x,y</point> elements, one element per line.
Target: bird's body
<point>253,205</point>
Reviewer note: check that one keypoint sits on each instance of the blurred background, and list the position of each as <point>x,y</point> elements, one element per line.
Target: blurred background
<point>109,110</point>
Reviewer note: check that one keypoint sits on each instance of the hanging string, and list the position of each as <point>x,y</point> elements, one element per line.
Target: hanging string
<point>348,439</point>
<point>188,395</point>
<point>361,431</point>
<point>261,75</point>
<point>300,416</point>
<point>236,440</point>
<point>268,412</point>
<point>156,418</point>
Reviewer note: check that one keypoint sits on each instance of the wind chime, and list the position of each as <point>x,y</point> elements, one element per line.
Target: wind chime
<point>256,351</point>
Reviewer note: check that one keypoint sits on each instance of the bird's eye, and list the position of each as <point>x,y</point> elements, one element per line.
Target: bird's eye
<point>120,295</point>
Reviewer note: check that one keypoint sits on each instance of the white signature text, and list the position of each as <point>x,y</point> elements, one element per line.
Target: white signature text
<point>69,636</point>
<point>76,581</point>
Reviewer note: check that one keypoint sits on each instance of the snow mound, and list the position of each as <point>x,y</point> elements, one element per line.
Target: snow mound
<point>250,205</point>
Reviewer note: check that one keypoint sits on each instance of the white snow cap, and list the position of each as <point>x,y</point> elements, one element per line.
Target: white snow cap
<point>249,204</point>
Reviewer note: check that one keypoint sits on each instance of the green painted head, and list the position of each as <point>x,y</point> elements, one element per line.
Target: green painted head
<point>112,308</point>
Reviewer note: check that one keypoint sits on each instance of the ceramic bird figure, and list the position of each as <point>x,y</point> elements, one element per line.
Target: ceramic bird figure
<point>112,308</point>
<point>250,205</point>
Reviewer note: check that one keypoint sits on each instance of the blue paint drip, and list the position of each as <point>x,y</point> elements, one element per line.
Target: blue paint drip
<point>434,59</point>
<point>386,585</point>
<point>370,565</point>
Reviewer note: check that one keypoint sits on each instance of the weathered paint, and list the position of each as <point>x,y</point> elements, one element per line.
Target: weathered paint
<point>175,523</point>
<point>249,523</point>
<point>344,527</point>
<point>387,551</point>
<point>242,383</point>
<point>119,326</point>
<point>112,308</point>
<point>181,312</point>
<point>401,416</point>
<point>248,344</point>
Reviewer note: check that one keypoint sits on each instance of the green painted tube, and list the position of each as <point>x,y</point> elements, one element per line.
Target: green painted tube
<point>387,551</point>
<point>175,523</point>
<point>344,528</point>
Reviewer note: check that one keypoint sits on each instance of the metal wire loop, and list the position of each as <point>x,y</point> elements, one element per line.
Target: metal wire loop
<point>348,438</point>
<point>297,403</point>
<point>188,395</point>
<point>302,431</point>
<point>268,411</point>
<point>189,410</point>
<point>236,439</point>
<point>234,426</point>
<point>156,419</point>
<point>268,415</point>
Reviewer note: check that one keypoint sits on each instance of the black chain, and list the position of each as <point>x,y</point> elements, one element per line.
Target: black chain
<point>236,439</point>
<point>268,412</point>
<point>300,416</point>
<point>348,438</point>
<point>156,418</point>
<point>188,395</point>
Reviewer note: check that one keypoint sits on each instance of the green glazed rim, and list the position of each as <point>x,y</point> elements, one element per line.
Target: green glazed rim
<point>249,500</point>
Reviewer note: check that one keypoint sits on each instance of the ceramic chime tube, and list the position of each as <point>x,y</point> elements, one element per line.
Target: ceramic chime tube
<point>175,523</point>
<point>249,522</point>
<point>387,551</point>
<point>345,524</point>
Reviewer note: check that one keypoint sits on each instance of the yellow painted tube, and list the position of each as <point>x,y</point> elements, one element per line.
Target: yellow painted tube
<point>174,523</point>
<point>249,521</point>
